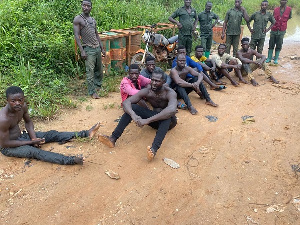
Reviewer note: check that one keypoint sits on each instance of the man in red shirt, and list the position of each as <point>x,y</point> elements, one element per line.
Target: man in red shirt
<point>281,14</point>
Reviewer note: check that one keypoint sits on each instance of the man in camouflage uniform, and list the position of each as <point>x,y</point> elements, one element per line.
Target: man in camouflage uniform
<point>258,33</point>
<point>205,19</point>
<point>186,24</point>
<point>232,26</point>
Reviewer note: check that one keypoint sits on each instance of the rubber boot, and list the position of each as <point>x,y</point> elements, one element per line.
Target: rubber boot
<point>206,54</point>
<point>276,57</point>
<point>270,53</point>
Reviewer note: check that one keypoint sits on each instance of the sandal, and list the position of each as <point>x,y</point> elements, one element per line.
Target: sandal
<point>181,105</point>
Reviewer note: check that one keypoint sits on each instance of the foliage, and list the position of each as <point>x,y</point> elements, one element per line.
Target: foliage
<point>37,44</point>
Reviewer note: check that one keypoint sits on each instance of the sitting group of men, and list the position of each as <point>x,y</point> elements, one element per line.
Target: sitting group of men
<point>149,97</point>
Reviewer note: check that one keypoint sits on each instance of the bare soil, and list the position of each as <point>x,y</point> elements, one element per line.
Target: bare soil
<point>230,172</point>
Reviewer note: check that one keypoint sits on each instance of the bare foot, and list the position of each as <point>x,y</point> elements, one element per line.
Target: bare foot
<point>243,81</point>
<point>211,103</point>
<point>150,154</point>
<point>78,160</point>
<point>193,111</point>
<point>234,83</point>
<point>108,141</point>
<point>220,82</point>
<point>95,96</point>
<point>94,130</point>
<point>253,82</point>
<point>273,80</point>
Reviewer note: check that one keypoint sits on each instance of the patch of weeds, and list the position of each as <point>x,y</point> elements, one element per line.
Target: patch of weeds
<point>110,106</point>
<point>82,99</point>
<point>88,108</point>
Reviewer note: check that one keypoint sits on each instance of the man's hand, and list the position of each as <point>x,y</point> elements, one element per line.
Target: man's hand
<point>103,52</point>
<point>213,69</point>
<point>196,86</point>
<point>37,142</point>
<point>83,55</point>
<point>222,36</point>
<point>179,25</point>
<point>141,122</point>
<point>259,64</point>
<point>251,31</point>
<point>135,118</point>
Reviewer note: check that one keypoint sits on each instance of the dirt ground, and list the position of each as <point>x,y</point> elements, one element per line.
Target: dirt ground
<point>230,172</point>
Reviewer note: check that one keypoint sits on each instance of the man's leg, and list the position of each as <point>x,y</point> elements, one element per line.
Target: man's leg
<point>268,73</point>
<point>279,42</point>
<point>260,45</point>
<point>253,43</point>
<point>203,42</point>
<point>247,69</point>
<point>235,44</point>
<point>271,47</point>
<point>228,43</point>
<point>90,63</point>
<point>208,46</point>
<point>98,73</point>
<point>27,151</point>
<point>188,44</point>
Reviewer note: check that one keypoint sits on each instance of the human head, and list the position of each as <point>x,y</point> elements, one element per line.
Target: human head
<point>199,51</point>
<point>208,6</point>
<point>221,49</point>
<point>238,3</point>
<point>181,61</point>
<point>245,43</point>
<point>181,50</point>
<point>157,80</point>
<point>134,72</point>
<point>187,3</point>
<point>86,6</point>
<point>264,5</point>
<point>150,63</point>
<point>283,3</point>
<point>15,98</point>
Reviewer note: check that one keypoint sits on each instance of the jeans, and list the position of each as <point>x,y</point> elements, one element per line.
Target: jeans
<point>162,126</point>
<point>28,151</point>
<point>94,69</point>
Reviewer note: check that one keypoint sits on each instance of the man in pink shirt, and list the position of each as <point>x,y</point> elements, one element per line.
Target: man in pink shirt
<point>133,83</point>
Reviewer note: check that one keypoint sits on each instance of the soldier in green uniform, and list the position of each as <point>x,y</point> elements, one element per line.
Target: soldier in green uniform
<point>232,26</point>
<point>186,24</point>
<point>258,33</point>
<point>205,19</point>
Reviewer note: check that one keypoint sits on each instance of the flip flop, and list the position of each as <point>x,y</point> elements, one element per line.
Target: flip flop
<point>181,105</point>
<point>221,87</point>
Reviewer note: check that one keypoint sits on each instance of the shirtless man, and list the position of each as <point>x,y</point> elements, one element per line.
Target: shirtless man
<point>162,117</point>
<point>183,87</point>
<point>90,47</point>
<point>246,56</point>
<point>13,143</point>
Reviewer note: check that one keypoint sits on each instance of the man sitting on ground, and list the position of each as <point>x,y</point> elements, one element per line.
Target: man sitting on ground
<point>13,143</point>
<point>162,117</point>
<point>184,86</point>
<point>226,62</point>
<point>246,56</point>
<point>206,63</point>
<point>133,83</point>
<point>150,66</point>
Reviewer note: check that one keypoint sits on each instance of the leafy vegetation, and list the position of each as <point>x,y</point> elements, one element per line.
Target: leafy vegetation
<point>37,44</point>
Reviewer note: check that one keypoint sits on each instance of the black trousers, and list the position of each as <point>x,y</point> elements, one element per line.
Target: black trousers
<point>184,92</point>
<point>162,126</point>
<point>28,151</point>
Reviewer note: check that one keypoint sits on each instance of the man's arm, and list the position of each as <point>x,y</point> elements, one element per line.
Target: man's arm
<point>216,17</point>
<point>28,123</point>
<point>176,78</point>
<point>248,23</point>
<point>172,20</point>
<point>225,25</point>
<point>126,87</point>
<point>76,29</point>
<point>272,21</point>
<point>195,21</point>
<point>245,14</point>
<point>243,59</point>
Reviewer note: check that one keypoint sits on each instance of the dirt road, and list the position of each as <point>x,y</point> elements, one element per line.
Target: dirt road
<point>230,172</point>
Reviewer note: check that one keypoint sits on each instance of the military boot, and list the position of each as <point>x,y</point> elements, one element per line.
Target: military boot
<point>276,57</point>
<point>270,54</point>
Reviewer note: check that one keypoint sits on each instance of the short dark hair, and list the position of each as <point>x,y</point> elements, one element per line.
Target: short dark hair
<point>221,45</point>
<point>208,2</point>
<point>86,1</point>
<point>134,67</point>
<point>198,46</point>
<point>245,39</point>
<point>265,1</point>
<point>149,58</point>
<point>163,75</point>
<point>181,47</point>
<point>13,90</point>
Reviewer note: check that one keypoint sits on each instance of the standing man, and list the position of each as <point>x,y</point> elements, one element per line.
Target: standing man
<point>281,14</point>
<point>161,117</point>
<point>258,33</point>
<point>232,26</point>
<point>205,19</point>
<point>14,143</point>
<point>246,56</point>
<point>90,47</point>
<point>186,24</point>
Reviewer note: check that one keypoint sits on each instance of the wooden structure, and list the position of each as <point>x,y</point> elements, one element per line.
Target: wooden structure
<point>121,44</point>
<point>217,33</point>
